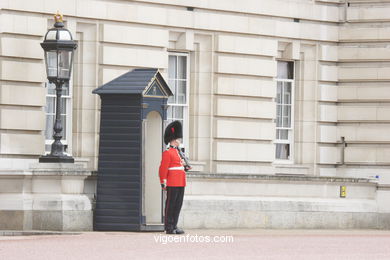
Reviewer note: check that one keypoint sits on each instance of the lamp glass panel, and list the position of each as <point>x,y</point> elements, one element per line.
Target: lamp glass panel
<point>64,63</point>
<point>51,63</point>
<point>64,36</point>
<point>51,35</point>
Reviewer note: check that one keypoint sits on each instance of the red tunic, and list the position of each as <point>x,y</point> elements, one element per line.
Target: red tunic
<point>174,177</point>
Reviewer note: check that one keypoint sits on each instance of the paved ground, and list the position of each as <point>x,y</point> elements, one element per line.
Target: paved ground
<point>247,244</point>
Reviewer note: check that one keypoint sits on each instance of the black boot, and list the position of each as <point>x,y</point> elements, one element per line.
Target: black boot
<point>179,231</point>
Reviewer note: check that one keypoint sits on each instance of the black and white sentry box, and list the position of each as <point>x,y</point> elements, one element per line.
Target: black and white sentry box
<point>133,112</point>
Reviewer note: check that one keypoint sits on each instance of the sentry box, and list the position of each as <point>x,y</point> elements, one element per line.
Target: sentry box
<point>133,112</point>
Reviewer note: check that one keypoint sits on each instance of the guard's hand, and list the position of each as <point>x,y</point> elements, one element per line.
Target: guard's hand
<point>164,186</point>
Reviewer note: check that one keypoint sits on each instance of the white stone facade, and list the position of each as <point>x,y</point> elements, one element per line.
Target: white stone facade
<point>342,74</point>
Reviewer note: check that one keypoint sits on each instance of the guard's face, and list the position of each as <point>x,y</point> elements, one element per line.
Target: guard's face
<point>178,142</point>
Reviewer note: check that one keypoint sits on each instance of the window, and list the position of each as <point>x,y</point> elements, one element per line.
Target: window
<point>284,110</point>
<point>179,83</point>
<point>65,116</point>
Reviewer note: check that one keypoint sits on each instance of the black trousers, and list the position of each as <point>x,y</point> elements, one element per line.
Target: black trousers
<point>173,205</point>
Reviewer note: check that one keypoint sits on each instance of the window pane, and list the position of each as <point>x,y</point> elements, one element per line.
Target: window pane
<point>283,134</point>
<point>179,112</point>
<point>287,110</point>
<point>63,106</point>
<point>170,113</point>
<point>279,122</point>
<point>50,105</point>
<point>286,121</point>
<point>278,110</point>
<point>282,151</point>
<point>172,67</point>
<point>172,86</point>
<point>285,70</point>
<point>181,92</point>
<point>279,93</point>
<point>182,67</point>
<point>65,89</point>
<point>287,93</point>
<point>64,122</point>
<point>49,127</point>
<point>48,147</point>
<point>51,88</point>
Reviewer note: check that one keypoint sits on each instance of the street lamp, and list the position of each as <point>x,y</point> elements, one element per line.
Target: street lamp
<point>58,46</point>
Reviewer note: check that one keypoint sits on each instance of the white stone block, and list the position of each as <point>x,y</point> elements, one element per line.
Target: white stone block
<point>347,131</point>
<point>28,144</point>
<point>328,133</point>
<point>328,113</point>
<point>374,13</point>
<point>356,113</point>
<point>246,66</point>
<point>50,184</point>
<point>329,53</point>
<point>383,199</point>
<point>358,53</point>
<point>328,172</point>
<point>204,83</point>
<point>235,107</point>
<point>329,155</point>
<point>92,9</point>
<point>243,86</point>
<point>22,119</point>
<point>328,92</point>
<point>306,132</point>
<point>371,133</point>
<point>202,127</point>
<point>135,35</point>
<point>347,93</point>
<point>23,24</point>
<point>135,57</point>
<point>362,154</point>
<point>369,92</point>
<point>307,157</point>
<point>243,167</point>
<point>246,45</point>
<point>328,73</point>
<point>22,95</point>
<point>109,74</point>
<point>233,129</point>
<point>23,71</point>
<point>383,113</point>
<point>121,11</point>
<point>364,73</point>
<point>362,33</point>
<point>21,48</point>
<point>251,152</point>
<point>308,110</point>
<point>319,32</point>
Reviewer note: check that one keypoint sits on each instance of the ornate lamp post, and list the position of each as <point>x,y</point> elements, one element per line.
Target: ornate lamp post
<point>59,47</point>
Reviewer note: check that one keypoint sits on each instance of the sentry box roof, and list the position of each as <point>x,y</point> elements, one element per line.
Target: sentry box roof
<point>146,82</point>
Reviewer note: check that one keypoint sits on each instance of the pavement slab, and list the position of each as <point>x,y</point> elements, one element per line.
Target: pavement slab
<point>200,244</point>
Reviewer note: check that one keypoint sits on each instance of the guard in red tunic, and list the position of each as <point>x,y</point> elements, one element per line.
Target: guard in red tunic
<point>173,176</point>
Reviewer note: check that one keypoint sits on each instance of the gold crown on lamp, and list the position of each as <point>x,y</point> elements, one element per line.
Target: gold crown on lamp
<point>58,18</point>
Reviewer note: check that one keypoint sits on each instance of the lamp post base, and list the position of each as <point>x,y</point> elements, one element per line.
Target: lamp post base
<point>56,159</point>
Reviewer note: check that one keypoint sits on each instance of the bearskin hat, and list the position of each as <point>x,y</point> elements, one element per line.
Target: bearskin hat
<point>173,131</point>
